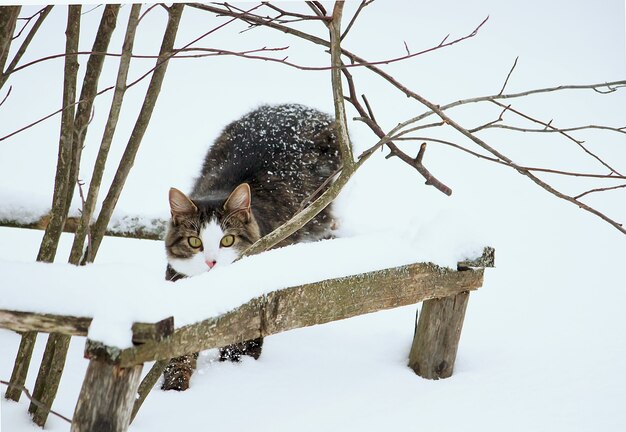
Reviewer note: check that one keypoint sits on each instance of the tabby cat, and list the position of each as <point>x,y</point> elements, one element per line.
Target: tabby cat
<point>254,178</point>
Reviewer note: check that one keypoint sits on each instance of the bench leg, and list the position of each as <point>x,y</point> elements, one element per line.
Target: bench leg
<point>106,399</point>
<point>437,334</point>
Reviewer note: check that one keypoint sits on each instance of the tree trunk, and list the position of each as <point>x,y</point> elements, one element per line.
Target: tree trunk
<point>8,19</point>
<point>50,241</point>
<point>20,368</point>
<point>83,226</point>
<point>128,158</point>
<point>87,97</point>
<point>49,376</point>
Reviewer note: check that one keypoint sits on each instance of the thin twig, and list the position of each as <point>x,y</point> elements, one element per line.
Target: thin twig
<point>6,96</point>
<point>420,154</point>
<point>508,76</point>
<point>547,129</point>
<point>84,212</point>
<point>107,89</point>
<point>599,190</point>
<point>363,4</point>
<point>369,108</point>
<point>493,122</point>
<point>28,20</point>
<point>311,197</point>
<point>514,166</point>
<point>92,9</point>
<point>385,139</point>
<point>25,43</point>
<point>147,12</point>
<point>440,110</point>
<point>35,401</point>
<point>399,137</point>
<point>565,134</point>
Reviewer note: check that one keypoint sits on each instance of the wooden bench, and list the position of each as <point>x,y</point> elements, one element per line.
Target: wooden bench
<point>107,400</point>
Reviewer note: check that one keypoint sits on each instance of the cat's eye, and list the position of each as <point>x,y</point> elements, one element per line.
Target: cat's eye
<point>194,242</point>
<point>227,240</point>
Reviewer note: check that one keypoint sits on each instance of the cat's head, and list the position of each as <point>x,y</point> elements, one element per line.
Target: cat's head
<point>210,232</point>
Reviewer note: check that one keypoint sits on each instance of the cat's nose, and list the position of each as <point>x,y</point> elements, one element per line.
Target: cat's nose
<point>210,263</point>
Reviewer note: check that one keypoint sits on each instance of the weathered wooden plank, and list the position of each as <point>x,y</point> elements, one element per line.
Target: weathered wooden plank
<point>437,336</point>
<point>77,326</point>
<point>143,332</point>
<point>44,323</point>
<point>20,368</point>
<point>307,305</point>
<point>106,398</point>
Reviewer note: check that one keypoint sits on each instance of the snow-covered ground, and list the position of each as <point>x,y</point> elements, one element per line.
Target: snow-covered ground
<point>544,340</point>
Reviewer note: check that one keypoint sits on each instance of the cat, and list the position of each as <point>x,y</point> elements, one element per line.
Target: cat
<point>255,177</point>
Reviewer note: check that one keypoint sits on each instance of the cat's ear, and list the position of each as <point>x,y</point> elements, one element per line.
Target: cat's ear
<point>238,200</point>
<point>180,205</point>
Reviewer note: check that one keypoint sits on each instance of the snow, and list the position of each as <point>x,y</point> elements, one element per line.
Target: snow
<point>543,342</point>
<point>101,291</point>
<point>23,208</point>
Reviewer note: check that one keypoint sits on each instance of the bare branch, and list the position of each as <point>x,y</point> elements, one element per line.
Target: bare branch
<point>27,21</point>
<point>92,9</point>
<point>33,400</point>
<point>300,17</point>
<point>439,110</point>
<point>341,121</point>
<point>4,99</point>
<point>369,108</point>
<point>508,76</point>
<point>362,6</point>
<point>311,197</point>
<point>400,137</point>
<point>599,190</point>
<point>22,49</point>
<point>565,134</point>
<point>491,123</point>
<point>385,139</point>
<point>343,139</point>
<point>553,130</point>
<point>150,9</point>
<point>107,89</point>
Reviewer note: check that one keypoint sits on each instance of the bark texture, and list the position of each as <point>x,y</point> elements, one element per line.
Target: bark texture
<point>49,376</point>
<point>128,158</point>
<point>83,223</point>
<point>106,398</point>
<point>8,19</point>
<point>20,368</point>
<point>58,214</point>
<point>87,98</point>
<point>307,305</point>
<point>437,336</point>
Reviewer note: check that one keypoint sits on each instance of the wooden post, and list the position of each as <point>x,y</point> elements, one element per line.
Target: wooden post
<point>22,362</point>
<point>106,398</point>
<point>49,376</point>
<point>437,335</point>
